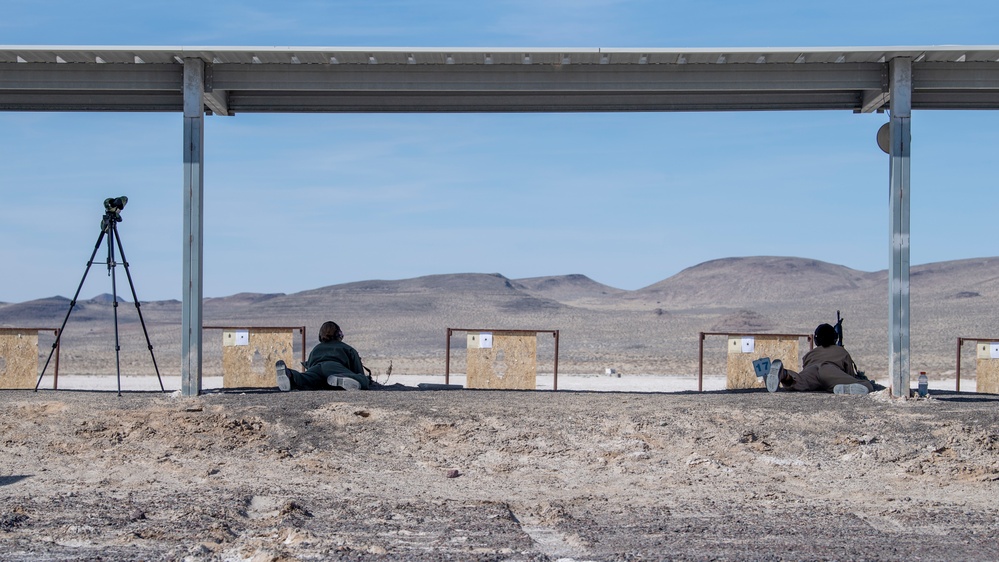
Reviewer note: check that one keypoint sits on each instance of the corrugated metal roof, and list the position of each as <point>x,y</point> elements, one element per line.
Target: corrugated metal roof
<point>463,79</point>
<point>485,55</point>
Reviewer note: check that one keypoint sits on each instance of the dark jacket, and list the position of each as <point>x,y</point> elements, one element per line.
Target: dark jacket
<point>337,352</point>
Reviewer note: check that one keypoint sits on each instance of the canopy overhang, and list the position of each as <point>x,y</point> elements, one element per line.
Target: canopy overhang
<point>339,79</point>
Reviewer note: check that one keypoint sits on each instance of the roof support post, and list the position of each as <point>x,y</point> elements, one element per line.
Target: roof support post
<point>898,268</point>
<point>194,154</point>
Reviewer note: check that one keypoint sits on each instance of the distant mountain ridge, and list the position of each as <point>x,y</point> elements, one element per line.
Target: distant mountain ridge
<point>653,329</point>
<point>490,282</point>
<point>725,280</point>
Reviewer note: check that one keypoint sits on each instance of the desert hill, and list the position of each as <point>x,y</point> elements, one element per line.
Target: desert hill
<point>957,279</point>
<point>737,281</point>
<point>649,330</point>
<point>568,289</point>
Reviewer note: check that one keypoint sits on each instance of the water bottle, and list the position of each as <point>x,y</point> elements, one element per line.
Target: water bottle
<point>923,384</point>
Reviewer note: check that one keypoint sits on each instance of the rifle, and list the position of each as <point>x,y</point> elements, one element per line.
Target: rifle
<point>839,340</point>
<point>839,330</point>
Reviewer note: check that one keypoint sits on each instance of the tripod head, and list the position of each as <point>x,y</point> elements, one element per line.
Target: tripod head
<point>112,211</point>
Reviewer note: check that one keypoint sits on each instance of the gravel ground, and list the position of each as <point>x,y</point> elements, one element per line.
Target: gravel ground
<point>497,475</point>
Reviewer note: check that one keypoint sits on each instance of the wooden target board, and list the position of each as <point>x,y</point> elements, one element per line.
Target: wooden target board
<point>502,360</point>
<point>743,350</point>
<point>18,358</point>
<point>249,355</point>
<point>987,368</point>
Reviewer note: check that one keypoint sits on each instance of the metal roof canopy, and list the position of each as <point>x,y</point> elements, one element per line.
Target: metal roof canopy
<point>348,79</point>
<point>229,80</point>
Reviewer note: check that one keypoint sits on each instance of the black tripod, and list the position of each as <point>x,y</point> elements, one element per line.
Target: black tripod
<point>109,228</point>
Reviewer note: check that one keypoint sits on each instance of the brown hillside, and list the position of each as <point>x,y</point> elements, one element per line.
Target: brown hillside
<point>651,330</point>
<point>742,281</point>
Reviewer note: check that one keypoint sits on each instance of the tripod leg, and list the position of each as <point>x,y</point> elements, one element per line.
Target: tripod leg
<point>114,300</point>
<point>138,308</point>
<point>72,303</point>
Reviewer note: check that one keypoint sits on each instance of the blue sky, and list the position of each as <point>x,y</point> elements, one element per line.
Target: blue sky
<point>295,202</point>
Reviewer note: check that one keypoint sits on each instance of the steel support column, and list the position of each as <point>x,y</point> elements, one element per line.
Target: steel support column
<point>194,154</point>
<point>898,268</point>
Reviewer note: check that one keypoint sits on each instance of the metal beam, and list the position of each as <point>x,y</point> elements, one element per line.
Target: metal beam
<point>898,267</point>
<point>91,101</point>
<point>874,101</point>
<point>538,78</point>
<point>877,100</point>
<point>217,102</point>
<point>954,99</point>
<point>451,102</point>
<point>955,76</point>
<point>124,77</point>
<point>194,156</point>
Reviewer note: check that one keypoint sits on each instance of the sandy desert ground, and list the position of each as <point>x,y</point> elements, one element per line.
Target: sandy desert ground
<point>497,475</point>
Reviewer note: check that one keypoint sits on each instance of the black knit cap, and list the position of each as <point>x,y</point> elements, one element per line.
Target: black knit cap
<point>825,335</point>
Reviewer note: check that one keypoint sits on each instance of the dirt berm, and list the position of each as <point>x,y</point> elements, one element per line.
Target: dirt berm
<point>497,475</point>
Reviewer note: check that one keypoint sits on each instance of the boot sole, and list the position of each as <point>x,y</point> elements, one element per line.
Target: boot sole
<point>283,382</point>
<point>344,383</point>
